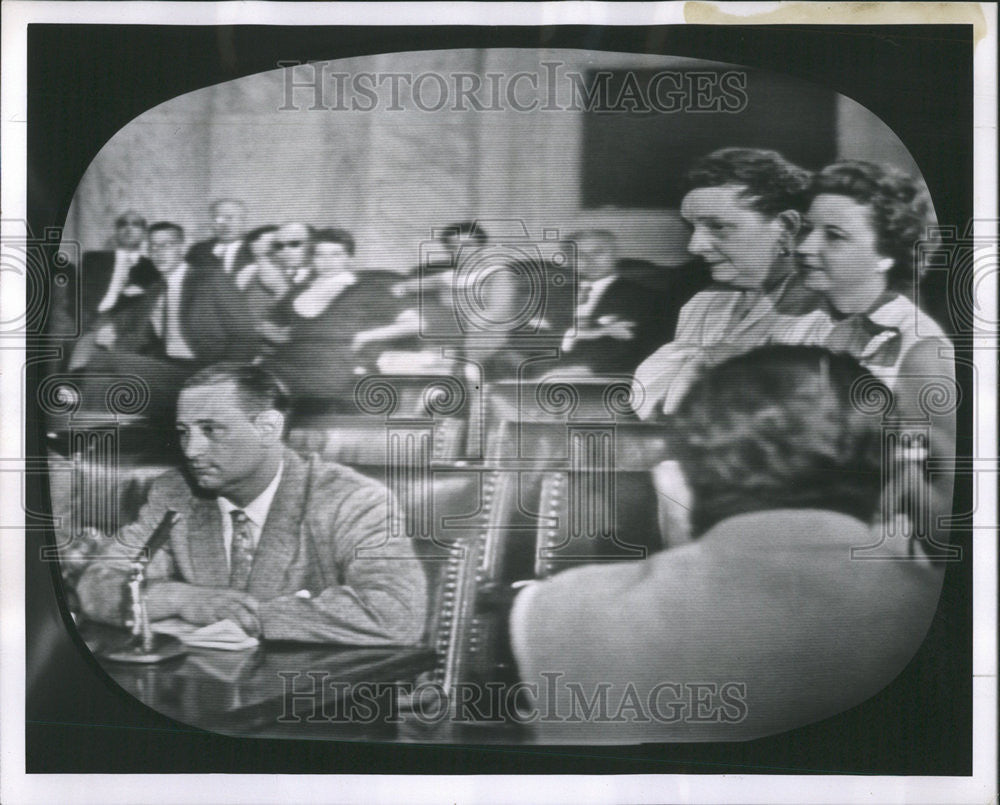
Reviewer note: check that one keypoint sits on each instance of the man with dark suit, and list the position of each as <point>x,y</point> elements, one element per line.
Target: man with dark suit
<point>110,279</point>
<point>618,321</point>
<point>290,548</point>
<point>225,251</point>
<point>189,314</point>
<point>185,320</point>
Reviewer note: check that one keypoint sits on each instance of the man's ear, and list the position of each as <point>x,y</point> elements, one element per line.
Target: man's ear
<point>791,222</point>
<point>271,425</point>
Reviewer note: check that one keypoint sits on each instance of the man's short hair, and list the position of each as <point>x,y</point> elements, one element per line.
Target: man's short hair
<point>774,184</point>
<point>780,427</point>
<point>335,235</point>
<point>260,390</point>
<point>167,226</point>
<point>127,218</point>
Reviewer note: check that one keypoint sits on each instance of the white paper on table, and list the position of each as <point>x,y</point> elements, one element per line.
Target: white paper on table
<point>224,634</point>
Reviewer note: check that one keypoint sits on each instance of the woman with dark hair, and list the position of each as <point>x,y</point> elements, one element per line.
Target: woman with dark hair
<point>744,206</point>
<point>864,222</point>
<point>768,620</point>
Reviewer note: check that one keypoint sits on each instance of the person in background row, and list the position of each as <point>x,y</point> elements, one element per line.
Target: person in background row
<point>111,279</point>
<point>439,261</point>
<point>617,322</point>
<point>185,320</point>
<point>291,253</point>
<point>767,612</point>
<point>316,353</point>
<point>864,222</point>
<point>257,245</point>
<point>262,283</point>
<point>225,250</point>
<point>745,207</point>
<point>288,548</point>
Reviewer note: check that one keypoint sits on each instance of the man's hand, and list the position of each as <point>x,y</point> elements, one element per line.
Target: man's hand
<point>106,335</point>
<point>608,327</point>
<point>205,605</point>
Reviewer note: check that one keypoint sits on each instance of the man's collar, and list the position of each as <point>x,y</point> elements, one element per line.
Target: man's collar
<point>256,510</point>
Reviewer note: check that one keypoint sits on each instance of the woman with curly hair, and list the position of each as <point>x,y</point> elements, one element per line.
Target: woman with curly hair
<point>863,222</point>
<point>744,207</point>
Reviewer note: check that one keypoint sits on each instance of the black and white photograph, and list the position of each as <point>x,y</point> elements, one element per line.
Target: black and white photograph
<point>529,402</point>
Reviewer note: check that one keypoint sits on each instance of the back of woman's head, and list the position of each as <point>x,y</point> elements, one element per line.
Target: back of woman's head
<point>780,427</point>
<point>773,184</point>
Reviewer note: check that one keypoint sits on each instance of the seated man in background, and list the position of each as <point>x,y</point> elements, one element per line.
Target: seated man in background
<point>225,251</point>
<point>288,548</point>
<point>765,621</point>
<point>618,322</point>
<point>187,319</point>
<point>109,281</point>
<point>110,277</point>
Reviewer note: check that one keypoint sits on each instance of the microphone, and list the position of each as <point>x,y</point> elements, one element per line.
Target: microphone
<point>158,538</point>
<point>144,646</point>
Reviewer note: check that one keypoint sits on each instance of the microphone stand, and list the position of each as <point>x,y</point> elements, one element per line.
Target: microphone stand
<point>145,646</point>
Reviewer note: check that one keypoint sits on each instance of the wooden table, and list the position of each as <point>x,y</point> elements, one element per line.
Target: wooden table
<point>288,690</point>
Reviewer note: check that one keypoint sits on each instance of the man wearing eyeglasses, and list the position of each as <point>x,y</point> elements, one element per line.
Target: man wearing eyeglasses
<point>188,317</point>
<point>328,304</point>
<point>111,277</point>
<point>292,252</point>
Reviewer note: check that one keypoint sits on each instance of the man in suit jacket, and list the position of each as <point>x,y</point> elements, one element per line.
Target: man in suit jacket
<point>618,321</point>
<point>768,620</point>
<point>185,320</point>
<point>109,279</point>
<point>289,548</point>
<point>225,251</point>
<point>189,315</point>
